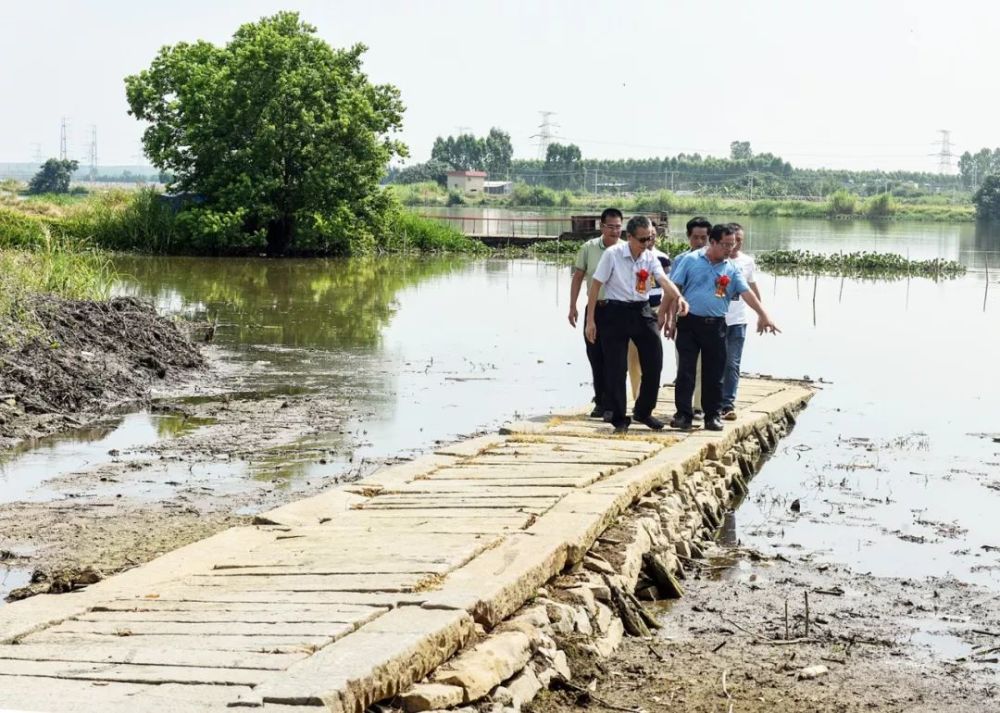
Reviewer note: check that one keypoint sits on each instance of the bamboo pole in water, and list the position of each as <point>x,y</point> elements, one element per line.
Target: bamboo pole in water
<point>986,292</point>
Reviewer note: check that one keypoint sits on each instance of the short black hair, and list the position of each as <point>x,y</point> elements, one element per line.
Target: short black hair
<point>611,213</point>
<point>719,231</point>
<point>636,222</point>
<point>735,226</point>
<point>698,222</point>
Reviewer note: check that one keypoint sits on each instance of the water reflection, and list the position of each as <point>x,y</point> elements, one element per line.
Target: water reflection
<point>292,303</point>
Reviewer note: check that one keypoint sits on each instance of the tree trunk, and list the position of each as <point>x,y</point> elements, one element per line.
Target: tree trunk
<point>280,233</point>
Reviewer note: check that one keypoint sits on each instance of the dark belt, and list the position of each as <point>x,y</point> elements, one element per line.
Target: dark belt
<point>626,304</point>
<point>706,320</point>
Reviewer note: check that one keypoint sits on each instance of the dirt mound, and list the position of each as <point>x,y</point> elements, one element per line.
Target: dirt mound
<point>88,357</point>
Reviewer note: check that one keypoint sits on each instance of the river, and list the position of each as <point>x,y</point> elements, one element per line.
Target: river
<point>895,463</point>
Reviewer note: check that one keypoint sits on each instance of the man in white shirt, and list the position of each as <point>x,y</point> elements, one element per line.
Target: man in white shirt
<point>655,297</point>
<point>736,326</point>
<point>624,272</point>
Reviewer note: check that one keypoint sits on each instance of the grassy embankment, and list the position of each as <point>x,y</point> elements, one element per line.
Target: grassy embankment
<point>139,221</point>
<point>34,261</point>
<point>840,205</point>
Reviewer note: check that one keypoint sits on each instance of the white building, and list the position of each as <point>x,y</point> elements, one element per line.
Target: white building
<point>466,181</point>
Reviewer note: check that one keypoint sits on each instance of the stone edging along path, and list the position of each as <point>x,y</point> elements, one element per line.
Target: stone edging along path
<point>357,595</point>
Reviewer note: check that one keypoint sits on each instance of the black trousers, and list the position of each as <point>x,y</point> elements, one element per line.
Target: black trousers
<point>707,336</point>
<point>621,322</point>
<point>596,358</point>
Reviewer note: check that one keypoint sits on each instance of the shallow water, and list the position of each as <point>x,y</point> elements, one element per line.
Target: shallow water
<point>442,348</point>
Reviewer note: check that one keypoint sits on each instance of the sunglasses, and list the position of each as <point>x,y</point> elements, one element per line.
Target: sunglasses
<point>643,240</point>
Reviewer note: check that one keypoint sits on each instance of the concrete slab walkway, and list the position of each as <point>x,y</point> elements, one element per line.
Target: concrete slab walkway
<point>346,598</point>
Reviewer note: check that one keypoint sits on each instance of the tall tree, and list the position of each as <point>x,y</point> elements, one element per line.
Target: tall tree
<point>740,151</point>
<point>987,198</point>
<point>283,136</point>
<point>498,154</point>
<point>562,164</point>
<point>53,176</point>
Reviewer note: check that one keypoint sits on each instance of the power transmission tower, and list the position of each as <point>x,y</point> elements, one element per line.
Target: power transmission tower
<point>944,154</point>
<point>545,133</point>
<point>36,152</point>
<point>93,153</point>
<point>463,130</point>
<point>62,140</point>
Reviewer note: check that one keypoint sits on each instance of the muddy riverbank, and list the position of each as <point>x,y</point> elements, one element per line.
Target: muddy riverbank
<point>69,362</point>
<point>723,645</point>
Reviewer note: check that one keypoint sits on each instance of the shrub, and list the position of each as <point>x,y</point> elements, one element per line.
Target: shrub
<point>842,203</point>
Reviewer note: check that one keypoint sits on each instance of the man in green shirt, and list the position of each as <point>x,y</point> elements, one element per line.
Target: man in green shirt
<point>583,268</point>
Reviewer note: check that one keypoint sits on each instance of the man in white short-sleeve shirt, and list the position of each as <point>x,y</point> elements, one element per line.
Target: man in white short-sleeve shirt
<point>624,272</point>
<point>736,326</point>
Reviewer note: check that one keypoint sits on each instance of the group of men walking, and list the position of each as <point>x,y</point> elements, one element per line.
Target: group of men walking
<point>699,299</point>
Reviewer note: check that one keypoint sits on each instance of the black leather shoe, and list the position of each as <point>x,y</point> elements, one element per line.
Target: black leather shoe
<point>598,412</point>
<point>622,426</point>
<point>651,422</point>
<point>681,422</point>
<point>713,424</point>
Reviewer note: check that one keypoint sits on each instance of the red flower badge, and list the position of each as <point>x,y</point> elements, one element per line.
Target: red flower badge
<point>641,281</point>
<point>721,283</point>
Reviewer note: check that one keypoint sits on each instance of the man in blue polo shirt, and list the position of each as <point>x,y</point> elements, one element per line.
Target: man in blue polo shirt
<point>709,281</point>
<point>624,272</point>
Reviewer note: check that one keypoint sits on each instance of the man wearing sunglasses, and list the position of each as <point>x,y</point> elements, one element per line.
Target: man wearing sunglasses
<point>586,262</point>
<point>623,273</point>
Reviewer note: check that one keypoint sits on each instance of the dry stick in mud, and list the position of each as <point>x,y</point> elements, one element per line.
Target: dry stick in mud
<point>633,621</point>
<point>665,581</point>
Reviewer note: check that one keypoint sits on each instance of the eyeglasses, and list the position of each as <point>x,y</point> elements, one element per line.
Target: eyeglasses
<point>728,246</point>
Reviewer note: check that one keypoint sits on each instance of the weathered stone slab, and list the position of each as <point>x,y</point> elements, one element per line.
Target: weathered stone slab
<point>313,583</point>
<point>192,594</point>
<point>554,457</point>
<point>126,627</point>
<point>311,511</point>
<point>494,488</point>
<point>31,693</point>
<point>37,612</point>
<point>487,664</point>
<point>130,673</point>
<point>279,644</point>
<point>471,446</point>
<point>400,473</point>
<point>122,652</point>
<point>221,616</point>
<point>496,583</point>
<point>431,696</point>
<point>379,661</point>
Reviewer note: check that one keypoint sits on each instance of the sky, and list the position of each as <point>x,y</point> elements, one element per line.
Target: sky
<point>851,84</point>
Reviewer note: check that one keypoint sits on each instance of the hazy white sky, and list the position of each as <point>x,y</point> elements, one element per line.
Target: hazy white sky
<point>852,83</point>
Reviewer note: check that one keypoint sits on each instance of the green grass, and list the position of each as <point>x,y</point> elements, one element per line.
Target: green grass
<point>840,205</point>
<point>56,266</point>
<point>410,232</point>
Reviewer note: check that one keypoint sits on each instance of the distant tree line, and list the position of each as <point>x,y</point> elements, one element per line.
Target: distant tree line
<point>742,174</point>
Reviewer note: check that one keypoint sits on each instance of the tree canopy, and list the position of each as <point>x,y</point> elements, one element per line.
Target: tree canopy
<point>987,198</point>
<point>281,136</point>
<point>465,152</point>
<point>53,176</point>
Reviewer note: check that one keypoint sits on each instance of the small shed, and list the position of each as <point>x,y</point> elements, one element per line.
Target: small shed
<point>466,181</point>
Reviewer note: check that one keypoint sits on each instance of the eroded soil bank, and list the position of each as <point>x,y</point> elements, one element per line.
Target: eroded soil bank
<point>70,361</point>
